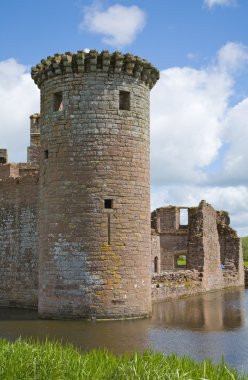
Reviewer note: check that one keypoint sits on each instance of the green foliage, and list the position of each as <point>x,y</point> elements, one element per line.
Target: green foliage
<point>181,260</point>
<point>42,361</point>
<point>245,249</point>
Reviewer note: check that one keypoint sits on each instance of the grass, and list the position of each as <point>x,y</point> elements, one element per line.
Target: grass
<point>49,361</point>
<point>245,249</point>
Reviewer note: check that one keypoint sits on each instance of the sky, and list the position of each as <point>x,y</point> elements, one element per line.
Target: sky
<point>199,107</point>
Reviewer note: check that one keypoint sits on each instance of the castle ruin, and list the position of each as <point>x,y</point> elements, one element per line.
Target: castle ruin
<point>75,234</point>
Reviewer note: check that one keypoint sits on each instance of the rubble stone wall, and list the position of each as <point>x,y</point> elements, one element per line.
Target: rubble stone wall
<point>174,284</point>
<point>19,241</point>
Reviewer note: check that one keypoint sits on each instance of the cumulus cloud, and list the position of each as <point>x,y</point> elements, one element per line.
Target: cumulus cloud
<point>236,135</point>
<point>211,3</point>
<point>198,137</point>
<point>19,98</point>
<point>119,24</point>
<point>187,106</point>
<point>232,57</point>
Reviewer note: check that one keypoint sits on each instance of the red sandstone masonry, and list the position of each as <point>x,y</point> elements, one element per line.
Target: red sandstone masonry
<point>19,241</point>
<point>211,246</point>
<point>94,261</point>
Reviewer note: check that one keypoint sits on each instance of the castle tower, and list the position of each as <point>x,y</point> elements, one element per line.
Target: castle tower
<point>33,150</point>
<point>95,192</point>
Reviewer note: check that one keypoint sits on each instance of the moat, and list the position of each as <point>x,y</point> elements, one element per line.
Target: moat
<point>210,325</point>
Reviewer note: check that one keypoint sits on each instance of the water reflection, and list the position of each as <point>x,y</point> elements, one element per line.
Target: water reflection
<point>218,311</point>
<point>210,325</point>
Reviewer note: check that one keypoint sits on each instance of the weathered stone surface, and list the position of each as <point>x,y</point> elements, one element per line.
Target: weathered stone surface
<point>94,261</point>
<point>174,284</point>
<point>19,241</point>
<point>210,245</point>
<point>33,151</point>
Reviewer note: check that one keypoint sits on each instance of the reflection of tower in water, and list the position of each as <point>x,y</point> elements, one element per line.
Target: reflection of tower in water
<point>217,311</point>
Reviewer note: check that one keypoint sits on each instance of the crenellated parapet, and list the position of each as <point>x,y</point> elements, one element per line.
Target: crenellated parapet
<point>93,61</point>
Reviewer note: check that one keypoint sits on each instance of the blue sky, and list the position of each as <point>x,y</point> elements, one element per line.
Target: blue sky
<point>199,108</point>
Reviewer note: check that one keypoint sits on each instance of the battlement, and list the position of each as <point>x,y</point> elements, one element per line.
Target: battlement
<point>93,61</point>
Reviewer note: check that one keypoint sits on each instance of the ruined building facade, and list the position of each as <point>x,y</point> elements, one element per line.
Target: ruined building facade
<point>201,254</point>
<point>75,235</point>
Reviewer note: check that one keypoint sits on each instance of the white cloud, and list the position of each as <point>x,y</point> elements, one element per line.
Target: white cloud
<point>236,135</point>
<point>187,106</point>
<point>211,3</point>
<point>19,98</point>
<point>194,128</point>
<point>119,24</point>
<point>232,57</point>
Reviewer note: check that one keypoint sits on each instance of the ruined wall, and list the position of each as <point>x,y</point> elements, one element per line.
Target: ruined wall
<point>165,219</point>
<point>19,241</point>
<point>3,156</point>
<point>173,239</point>
<point>172,245</point>
<point>33,151</point>
<point>204,247</point>
<point>17,170</point>
<point>174,284</point>
<point>231,251</point>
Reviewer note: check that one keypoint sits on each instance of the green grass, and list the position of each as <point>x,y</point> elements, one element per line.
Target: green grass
<point>49,361</point>
<point>245,249</point>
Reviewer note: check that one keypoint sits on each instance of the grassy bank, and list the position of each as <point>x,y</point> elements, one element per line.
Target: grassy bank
<point>48,361</point>
<point>245,249</point>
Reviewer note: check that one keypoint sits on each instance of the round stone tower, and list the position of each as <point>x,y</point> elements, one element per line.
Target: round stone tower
<point>94,187</point>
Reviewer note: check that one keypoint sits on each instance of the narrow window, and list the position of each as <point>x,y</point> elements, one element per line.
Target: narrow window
<point>124,100</point>
<point>46,154</point>
<point>108,203</point>
<point>57,101</point>
<point>109,242</point>
<point>156,264</point>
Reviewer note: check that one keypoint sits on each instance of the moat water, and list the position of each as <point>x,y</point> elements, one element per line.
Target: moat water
<point>206,326</point>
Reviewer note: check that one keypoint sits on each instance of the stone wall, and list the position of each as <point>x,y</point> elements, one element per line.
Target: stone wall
<point>231,252</point>
<point>17,170</point>
<point>174,284</point>
<point>19,241</point>
<point>173,238</point>
<point>3,156</point>
<point>95,244</point>
<point>211,246</point>
<point>204,247</point>
<point>33,151</point>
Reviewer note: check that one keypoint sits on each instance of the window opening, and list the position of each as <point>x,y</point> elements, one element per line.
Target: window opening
<point>181,261</point>
<point>124,100</point>
<point>57,101</point>
<point>108,203</point>
<point>3,160</point>
<point>156,264</point>
<point>46,154</point>
<point>184,217</point>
